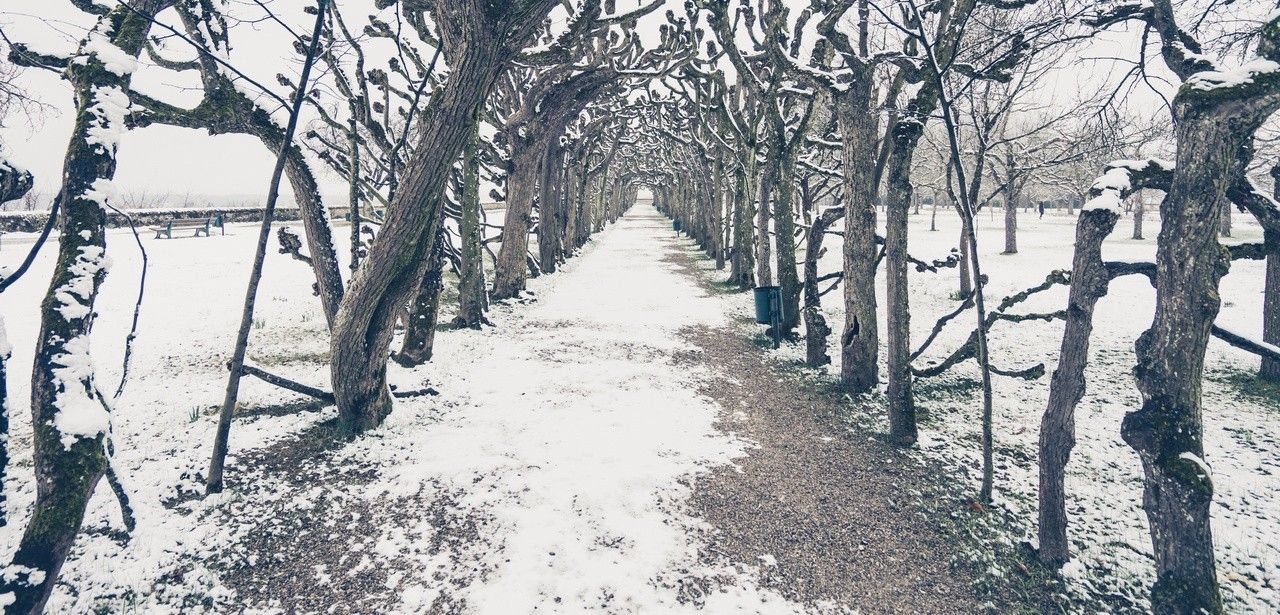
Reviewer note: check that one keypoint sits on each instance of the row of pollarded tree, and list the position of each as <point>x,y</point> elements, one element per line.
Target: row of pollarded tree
<point>786,100</point>
<point>417,106</point>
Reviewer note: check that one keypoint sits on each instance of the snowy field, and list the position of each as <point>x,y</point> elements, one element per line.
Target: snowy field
<point>1104,486</point>
<point>551,471</point>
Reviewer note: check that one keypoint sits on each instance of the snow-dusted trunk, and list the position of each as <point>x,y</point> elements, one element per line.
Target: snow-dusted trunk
<point>1167,431</point>
<point>424,310</point>
<point>1225,227</point>
<point>69,422</point>
<point>860,339</point>
<point>363,329</point>
<point>1089,280</point>
<point>902,411</point>
<point>933,213</point>
<point>472,302</point>
<point>1271,291</point>
<point>510,269</point>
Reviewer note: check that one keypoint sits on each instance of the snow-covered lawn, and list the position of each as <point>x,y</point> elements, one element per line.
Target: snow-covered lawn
<point>1107,525</point>
<point>550,473</point>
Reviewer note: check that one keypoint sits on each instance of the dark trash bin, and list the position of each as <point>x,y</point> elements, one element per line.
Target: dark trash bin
<point>766,298</point>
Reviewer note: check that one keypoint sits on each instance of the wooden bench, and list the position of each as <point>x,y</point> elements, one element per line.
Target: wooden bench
<point>199,225</point>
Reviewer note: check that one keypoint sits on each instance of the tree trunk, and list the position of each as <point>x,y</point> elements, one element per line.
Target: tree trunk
<point>69,423</point>
<point>509,269</point>
<point>966,280</point>
<point>1011,223</point>
<point>353,183</point>
<point>363,329</point>
<point>1139,210</point>
<point>6,351</point>
<point>716,205</point>
<point>764,247</point>
<point>785,224</point>
<point>1167,432</point>
<point>744,231</point>
<point>1089,281</point>
<point>472,302</point>
<point>1271,305</point>
<point>549,206</point>
<point>1271,292</point>
<point>1225,227</point>
<point>902,411</point>
<point>860,340</point>
<point>424,311</point>
<point>815,324</point>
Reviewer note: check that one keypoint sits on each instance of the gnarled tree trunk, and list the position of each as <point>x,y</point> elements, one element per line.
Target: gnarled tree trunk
<point>1089,281</point>
<point>860,339</point>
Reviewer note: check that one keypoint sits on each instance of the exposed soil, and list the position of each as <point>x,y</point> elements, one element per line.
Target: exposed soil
<point>831,519</point>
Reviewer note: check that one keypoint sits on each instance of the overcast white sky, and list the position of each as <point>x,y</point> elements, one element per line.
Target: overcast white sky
<point>176,162</point>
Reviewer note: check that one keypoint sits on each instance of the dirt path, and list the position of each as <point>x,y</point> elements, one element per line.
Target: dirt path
<point>831,517</point>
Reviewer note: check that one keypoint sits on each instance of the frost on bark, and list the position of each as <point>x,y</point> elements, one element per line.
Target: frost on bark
<point>70,424</point>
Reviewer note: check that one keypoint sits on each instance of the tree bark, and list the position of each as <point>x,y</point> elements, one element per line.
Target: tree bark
<point>966,278</point>
<point>815,324</point>
<point>1271,292</point>
<point>764,247</point>
<point>509,270</point>
<point>1167,431</point>
<point>860,339</point>
<point>472,301</point>
<point>1011,223</point>
<point>1089,281</point>
<point>902,411</point>
<point>69,424</point>
<point>1139,211</point>
<point>424,310</point>
<point>478,42</point>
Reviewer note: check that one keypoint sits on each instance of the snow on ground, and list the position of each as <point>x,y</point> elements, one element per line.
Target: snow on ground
<point>550,473</point>
<point>1104,484</point>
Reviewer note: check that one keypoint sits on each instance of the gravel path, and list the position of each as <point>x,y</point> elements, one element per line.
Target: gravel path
<point>827,516</point>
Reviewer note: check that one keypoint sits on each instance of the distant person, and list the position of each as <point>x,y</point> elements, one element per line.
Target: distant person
<point>1041,207</point>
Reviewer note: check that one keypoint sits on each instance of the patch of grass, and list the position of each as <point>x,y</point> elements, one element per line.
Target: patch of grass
<point>725,286</point>
<point>945,387</point>
<point>1249,385</point>
<point>295,356</point>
